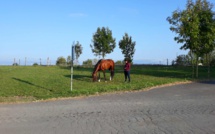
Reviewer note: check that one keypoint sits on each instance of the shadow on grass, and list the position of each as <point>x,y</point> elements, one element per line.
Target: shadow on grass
<point>181,72</point>
<point>79,68</point>
<point>29,83</point>
<point>80,77</point>
<point>162,71</point>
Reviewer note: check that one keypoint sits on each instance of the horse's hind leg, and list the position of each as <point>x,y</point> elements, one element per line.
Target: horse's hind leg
<point>111,75</point>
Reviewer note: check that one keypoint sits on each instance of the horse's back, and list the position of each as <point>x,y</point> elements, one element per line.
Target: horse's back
<point>112,63</point>
<point>109,64</point>
<point>105,64</point>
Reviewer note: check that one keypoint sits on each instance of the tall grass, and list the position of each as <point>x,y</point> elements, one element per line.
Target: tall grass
<point>18,83</point>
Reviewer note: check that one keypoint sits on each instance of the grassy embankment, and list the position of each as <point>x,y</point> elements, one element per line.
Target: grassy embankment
<point>28,83</point>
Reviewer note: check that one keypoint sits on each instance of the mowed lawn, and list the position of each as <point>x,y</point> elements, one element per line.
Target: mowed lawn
<point>31,83</point>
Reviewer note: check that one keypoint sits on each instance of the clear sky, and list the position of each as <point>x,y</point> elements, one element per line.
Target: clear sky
<point>41,29</point>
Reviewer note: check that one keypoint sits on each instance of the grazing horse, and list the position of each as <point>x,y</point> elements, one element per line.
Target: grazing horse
<point>103,65</point>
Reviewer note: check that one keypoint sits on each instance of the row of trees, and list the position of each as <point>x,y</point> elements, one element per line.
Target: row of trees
<point>195,29</point>
<point>61,61</point>
<point>90,62</point>
<point>187,60</point>
<point>103,43</point>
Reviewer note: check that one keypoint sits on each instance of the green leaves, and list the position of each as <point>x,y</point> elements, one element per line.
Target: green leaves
<point>78,50</point>
<point>103,42</point>
<point>195,27</point>
<point>127,46</point>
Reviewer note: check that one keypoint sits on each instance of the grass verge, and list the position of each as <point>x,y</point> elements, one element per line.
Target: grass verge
<point>29,83</point>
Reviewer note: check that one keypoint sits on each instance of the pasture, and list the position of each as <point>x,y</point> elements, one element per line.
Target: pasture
<point>32,83</point>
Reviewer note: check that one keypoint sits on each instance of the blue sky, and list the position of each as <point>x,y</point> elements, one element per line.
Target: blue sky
<point>41,29</point>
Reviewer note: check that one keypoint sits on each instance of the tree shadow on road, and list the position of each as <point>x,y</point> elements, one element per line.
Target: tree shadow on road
<point>208,82</point>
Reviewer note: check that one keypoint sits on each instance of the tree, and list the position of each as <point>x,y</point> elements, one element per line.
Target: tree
<point>182,60</point>
<point>195,27</point>
<point>212,63</point>
<point>127,47</point>
<point>88,62</point>
<point>69,60</point>
<point>35,64</point>
<point>103,42</point>
<point>15,64</point>
<point>78,50</point>
<point>61,61</point>
<point>119,62</point>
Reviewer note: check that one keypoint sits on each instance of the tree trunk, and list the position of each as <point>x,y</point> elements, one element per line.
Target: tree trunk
<point>208,62</point>
<point>193,69</point>
<point>209,68</point>
<point>197,67</point>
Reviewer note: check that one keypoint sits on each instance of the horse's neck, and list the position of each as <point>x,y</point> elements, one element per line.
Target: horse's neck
<point>96,70</point>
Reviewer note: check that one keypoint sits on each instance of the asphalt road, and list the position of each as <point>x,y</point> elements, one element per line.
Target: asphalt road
<point>179,109</point>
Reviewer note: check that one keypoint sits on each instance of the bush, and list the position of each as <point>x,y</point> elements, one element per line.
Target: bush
<point>15,64</point>
<point>61,61</point>
<point>35,64</point>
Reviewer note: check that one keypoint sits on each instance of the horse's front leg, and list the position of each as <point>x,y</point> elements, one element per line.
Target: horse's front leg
<point>104,76</point>
<point>99,77</point>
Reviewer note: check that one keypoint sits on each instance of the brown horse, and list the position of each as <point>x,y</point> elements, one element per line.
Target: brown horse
<point>103,65</point>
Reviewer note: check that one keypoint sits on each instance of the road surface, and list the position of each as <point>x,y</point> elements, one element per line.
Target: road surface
<point>178,109</point>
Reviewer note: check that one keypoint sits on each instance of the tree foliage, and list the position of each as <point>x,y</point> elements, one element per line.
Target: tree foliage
<point>212,62</point>
<point>78,50</point>
<point>88,62</point>
<point>119,62</point>
<point>182,60</point>
<point>69,60</point>
<point>61,61</point>
<point>127,46</point>
<point>103,42</point>
<point>195,27</point>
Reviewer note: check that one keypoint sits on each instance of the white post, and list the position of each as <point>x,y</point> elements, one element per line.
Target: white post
<point>71,76</point>
<point>72,58</point>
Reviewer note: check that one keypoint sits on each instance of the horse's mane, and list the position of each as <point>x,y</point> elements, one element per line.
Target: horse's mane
<point>96,66</point>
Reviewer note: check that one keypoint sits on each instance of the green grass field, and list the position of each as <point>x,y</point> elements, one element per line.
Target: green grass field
<point>31,83</point>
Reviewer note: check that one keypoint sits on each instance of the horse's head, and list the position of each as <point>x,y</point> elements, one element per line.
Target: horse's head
<point>94,76</point>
